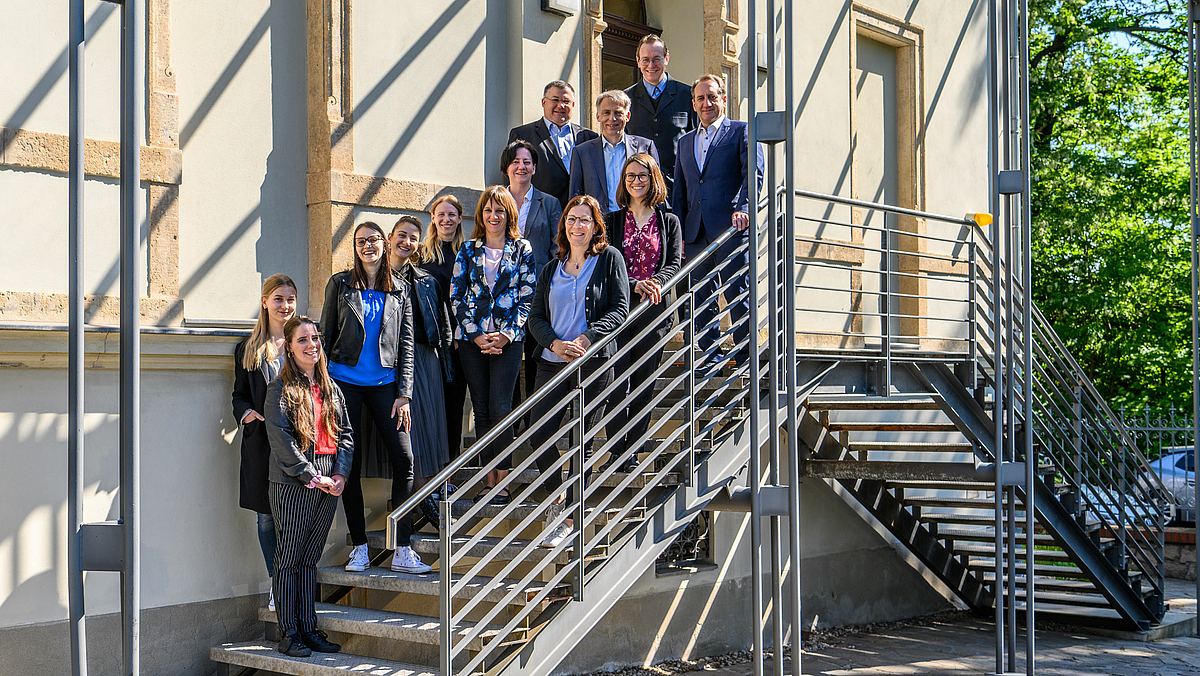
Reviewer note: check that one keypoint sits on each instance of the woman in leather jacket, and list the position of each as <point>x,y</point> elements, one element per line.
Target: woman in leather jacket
<point>367,332</point>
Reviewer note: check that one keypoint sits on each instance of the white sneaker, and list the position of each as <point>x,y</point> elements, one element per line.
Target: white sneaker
<point>359,559</point>
<point>271,600</point>
<point>405,560</point>
<point>561,532</point>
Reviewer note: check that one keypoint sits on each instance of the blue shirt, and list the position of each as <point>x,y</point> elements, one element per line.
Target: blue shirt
<point>564,140</point>
<point>368,372</point>
<point>614,161</point>
<point>568,316</point>
<point>655,90</point>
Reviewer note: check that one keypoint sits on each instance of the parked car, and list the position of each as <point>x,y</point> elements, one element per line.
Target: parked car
<point>1177,469</point>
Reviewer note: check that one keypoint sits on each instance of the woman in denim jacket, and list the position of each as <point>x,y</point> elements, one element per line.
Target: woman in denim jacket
<point>490,294</point>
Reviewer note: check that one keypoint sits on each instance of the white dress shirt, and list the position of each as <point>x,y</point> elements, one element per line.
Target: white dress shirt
<point>704,138</point>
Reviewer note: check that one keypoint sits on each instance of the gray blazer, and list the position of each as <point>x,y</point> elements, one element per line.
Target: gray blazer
<point>587,166</point>
<point>541,225</point>
<point>289,463</point>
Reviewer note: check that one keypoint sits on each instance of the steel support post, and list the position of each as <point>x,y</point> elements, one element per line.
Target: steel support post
<point>75,347</point>
<point>752,338</point>
<point>1194,148</point>
<point>994,77</point>
<point>789,339</point>
<point>445,583</point>
<point>580,459</point>
<point>133,122</point>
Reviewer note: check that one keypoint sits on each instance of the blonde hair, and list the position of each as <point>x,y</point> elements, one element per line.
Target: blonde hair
<point>431,246</point>
<point>297,399</point>
<point>259,347</point>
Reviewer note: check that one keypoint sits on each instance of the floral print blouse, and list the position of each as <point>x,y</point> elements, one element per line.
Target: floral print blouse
<point>506,303</point>
<point>642,247</point>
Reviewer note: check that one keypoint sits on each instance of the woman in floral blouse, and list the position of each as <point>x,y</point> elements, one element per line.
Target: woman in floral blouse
<point>490,294</point>
<point>651,241</point>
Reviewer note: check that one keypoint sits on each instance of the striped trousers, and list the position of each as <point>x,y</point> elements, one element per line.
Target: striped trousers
<point>302,520</point>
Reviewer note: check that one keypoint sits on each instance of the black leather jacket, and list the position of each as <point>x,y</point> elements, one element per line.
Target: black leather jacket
<point>429,304</point>
<point>342,328</point>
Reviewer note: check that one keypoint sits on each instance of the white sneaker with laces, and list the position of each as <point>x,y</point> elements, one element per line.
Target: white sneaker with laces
<point>561,532</point>
<point>271,600</point>
<point>405,560</point>
<point>359,559</point>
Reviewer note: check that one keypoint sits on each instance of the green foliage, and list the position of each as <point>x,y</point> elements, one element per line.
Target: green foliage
<point>1108,90</point>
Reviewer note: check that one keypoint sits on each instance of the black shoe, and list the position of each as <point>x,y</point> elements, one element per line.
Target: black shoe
<point>292,646</point>
<point>429,507</point>
<point>500,498</point>
<point>714,363</point>
<point>317,641</point>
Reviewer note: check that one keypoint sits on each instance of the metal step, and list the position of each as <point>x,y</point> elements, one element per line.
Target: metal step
<point>387,624</point>
<point>919,446</point>
<point>1039,569</point>
<point>889,471</point>
<point>430,544</point>
<point>1038,554</point>
<point>1096,600</point>
<point>883,426</point>
<point>528,476</point>
<point>382,579</point>
<point>850,402</point>
<point>948,485</point>
<point>956,502</point>
<point>263,656</point>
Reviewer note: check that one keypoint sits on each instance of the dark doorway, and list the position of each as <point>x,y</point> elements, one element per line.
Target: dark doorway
<point>626,21</point>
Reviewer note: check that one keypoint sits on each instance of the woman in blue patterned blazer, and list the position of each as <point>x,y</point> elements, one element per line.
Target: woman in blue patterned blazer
<point>490,294</point>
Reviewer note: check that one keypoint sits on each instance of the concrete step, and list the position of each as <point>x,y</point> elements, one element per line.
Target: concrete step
<point>429,545</point>
<point>1055,584</point>
<point>935,485</point>
<point>528,476</point>
<point>383,579</point>
<point>884,426</point>
<point>889,471</point>
<point>958,502</point>
<point>1095,600</point>
<point>263,656</point>
<point>387,624</point>
<point>989,535</point>
<point>984,520</point>
<point>850,402</point>
<point>918,446</point>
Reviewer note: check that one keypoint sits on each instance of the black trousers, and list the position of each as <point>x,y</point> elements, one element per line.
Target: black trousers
<point>732,270</point>
<point>377,400</point>
<point>547,429</point>
<point>636,406</point>
<point>302,519</point>
<point>532,349</point>
<point>455,395</point>
<point>491,378</point>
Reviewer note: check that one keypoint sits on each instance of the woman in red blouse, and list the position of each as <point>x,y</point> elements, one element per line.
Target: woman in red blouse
<point>650,239</point>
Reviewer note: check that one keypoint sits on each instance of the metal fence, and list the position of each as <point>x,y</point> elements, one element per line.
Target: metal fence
<point>1159,433</point>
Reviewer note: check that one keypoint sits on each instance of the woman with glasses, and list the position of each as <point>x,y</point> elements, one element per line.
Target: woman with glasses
<point>580,298</point>
<point>651,241</point>
<point>367,332</point>
<point>490,293</point>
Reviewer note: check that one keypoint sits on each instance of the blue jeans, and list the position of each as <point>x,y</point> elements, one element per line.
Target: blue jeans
<point>266,540</point>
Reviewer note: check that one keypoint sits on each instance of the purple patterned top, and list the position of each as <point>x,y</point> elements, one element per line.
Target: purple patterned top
<point>642,247</point>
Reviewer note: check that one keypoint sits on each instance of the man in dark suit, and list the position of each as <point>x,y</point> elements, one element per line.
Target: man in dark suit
<point>710,196</point>
<point>596,164</point>
<point>661,108</point>
<point>555,137</point>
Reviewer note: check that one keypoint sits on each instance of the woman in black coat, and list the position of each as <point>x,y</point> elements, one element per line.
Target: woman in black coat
<point>580,297</point>
<point>651,241</point>
<point>256,361</point>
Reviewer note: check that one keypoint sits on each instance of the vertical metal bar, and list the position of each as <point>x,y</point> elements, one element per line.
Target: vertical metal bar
<point>997,313</point>
<point>445,580</point>
<point>752,337</point>
<point>1194,161</point>
<point>75,346</point>
<point>789,242</point>
<point>1010,558</point>
<point>690,362</point>
<point>1031,459</point>
<point>1010,300</point>
<point>579,488</point>
<point>973,316</point>
<point>885,235</point>
<point>133,77</point>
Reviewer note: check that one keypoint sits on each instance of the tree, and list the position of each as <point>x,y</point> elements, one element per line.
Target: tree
<point>1108,93</point>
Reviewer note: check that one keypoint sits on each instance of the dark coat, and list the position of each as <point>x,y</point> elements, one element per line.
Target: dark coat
<point>342,329</point>
<point>553,176</point>
<point>705,198</point>
<point>291,464</point>
<point>541,225</point>
<point>249,394</point>
<point>663,121</point>
<point>606,302</point>
<point>435,315</point>
<point>588,173</point>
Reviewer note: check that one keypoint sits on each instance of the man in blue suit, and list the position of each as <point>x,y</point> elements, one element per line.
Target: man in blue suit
<point>596,164</point>
<point>710,196</point>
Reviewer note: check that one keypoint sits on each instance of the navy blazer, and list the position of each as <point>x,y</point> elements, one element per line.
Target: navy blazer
<point>553,176</point>
<point>541,225</point>
<point>663,121</point>
<point>705,198</point>
<point>588,175</point>
<point>507,302</point>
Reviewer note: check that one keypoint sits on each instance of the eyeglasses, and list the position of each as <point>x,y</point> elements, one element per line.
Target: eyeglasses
<point>579,220</point>
<point>364,241</point>
<point>554,101</point>
<point>656,61</point>
<point>637,178</point>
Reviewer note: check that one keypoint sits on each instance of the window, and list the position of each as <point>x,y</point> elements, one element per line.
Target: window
<point>626,21</point>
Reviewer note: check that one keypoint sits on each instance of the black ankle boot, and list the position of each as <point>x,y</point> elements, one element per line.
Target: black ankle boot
<point>317,641</point>
<point>292,646</point>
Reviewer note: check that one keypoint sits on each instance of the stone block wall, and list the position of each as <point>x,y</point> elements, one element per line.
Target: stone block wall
<point>1180,554</point>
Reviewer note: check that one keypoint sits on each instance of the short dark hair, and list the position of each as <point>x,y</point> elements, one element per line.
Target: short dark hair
<point>658,186</point>
<point>561,84</point>
<point>509,155</point>
<point>650,40</point>
<point>599,237</point>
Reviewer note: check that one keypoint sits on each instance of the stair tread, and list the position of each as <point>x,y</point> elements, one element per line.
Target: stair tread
<point>851,402</point>
<point>385,624</point>
<point>1096,600</point>
<point>889,426</point>
<point>528,476</point>
<point>262,655</point>
<point>956,446</point>
<point>1038,568</point>
<point>429,543</point>
<point>428,584</point>
<point>1046,554</point>
<point>937,485</point>
<point>889,470</point>
<point>955,501</point>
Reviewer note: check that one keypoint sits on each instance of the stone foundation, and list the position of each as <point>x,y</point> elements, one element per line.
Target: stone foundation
<point>1180,554</point>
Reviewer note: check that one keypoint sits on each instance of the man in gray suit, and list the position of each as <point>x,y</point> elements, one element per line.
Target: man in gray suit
<point>596,164</point>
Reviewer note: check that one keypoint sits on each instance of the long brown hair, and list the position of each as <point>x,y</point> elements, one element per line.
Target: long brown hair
<point>358,274</point>
<point>657,188</point>
<point>297,399</point>
<point>417,256</point>
<point>431,246</point>
<point>500,195</point>
<point>599,238</point>
<point>259,347</point>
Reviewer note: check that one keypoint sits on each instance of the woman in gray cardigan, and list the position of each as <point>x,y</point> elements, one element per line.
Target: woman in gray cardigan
<point>312,450</point>
<point>580,297</point>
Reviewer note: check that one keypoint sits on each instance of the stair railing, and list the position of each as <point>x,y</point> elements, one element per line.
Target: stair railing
<point>695,404</point>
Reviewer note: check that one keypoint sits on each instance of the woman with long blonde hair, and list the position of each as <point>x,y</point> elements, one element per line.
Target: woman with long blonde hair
<point>256,361</point>
<point>312,451</point>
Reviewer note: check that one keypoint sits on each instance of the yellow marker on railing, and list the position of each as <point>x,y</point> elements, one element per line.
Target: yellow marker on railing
<point>981,218</point>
